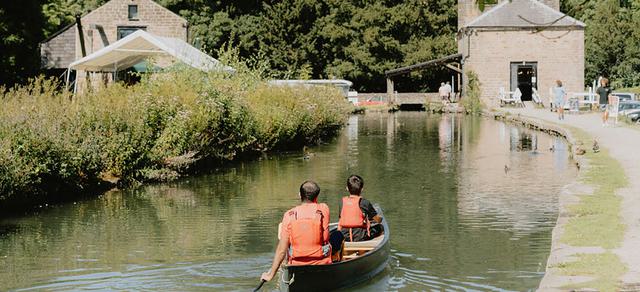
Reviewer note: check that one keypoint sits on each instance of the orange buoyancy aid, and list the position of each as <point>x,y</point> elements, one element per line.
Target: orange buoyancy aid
<point>351,216</point>
<point>306,236</point>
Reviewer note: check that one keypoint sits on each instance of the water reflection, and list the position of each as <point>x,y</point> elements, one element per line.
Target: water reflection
<point>523,140</point>
<point>459,221</point>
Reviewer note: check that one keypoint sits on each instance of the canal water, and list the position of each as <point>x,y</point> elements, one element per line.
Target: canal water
<point>470,201</point>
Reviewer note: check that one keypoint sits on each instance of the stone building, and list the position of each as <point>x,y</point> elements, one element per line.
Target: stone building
<point>107,24</point>
<point>525,44</point>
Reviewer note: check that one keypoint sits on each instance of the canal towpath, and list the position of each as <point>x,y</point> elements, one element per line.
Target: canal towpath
<point>622,142</point>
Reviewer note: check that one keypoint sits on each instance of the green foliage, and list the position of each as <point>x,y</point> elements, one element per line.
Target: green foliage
<point>612,39</point>
<point>482,3</point>
<point>154,130</point>
<point>471,101</point>
<point>606,268</point>
<point>596,221</point>
<point>355,40</point>
<point>310,110</point>
<point>59,13</point>
<point>20,32</point>
<point>635,90</point>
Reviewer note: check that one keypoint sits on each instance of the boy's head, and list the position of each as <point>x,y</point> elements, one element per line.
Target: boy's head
<point>355,183</point>
<point>309,191</point>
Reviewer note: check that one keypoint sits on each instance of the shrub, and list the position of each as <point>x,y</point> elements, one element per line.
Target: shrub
<point>154,130</point>
<point>471,101</point>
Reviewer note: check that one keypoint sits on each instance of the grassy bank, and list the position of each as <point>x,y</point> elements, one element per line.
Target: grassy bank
<point>595,220</point>
<point>635,90</point>
<point>53,146</point>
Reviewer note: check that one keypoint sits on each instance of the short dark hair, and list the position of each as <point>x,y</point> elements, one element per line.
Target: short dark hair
<point>355,183</point>
<point>309,191</point>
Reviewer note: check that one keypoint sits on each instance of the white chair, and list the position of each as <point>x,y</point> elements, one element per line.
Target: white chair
<point>505,97</point>
<point>514,98</point>
<point>517,96</point>
<point>536,97</point>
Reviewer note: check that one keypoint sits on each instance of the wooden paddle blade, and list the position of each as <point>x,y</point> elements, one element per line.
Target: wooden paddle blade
<point>259,286</point>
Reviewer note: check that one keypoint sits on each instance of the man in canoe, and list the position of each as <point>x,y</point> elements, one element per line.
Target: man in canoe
<point>304,233</point>
<point>357,213</point>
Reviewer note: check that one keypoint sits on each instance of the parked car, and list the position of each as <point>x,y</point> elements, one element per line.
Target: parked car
<point>375,100</point>
<point>625,96</point>
<point>634,115</point>
<point>626,106</point>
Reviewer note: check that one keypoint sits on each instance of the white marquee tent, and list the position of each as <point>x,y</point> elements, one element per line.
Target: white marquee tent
<point>141,45</point>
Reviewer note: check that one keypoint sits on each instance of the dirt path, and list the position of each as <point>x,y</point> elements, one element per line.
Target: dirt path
<point>623,144</point>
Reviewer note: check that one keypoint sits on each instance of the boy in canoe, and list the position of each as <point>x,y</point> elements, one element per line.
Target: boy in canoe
<point>304,233</point>
<point>357,213</point>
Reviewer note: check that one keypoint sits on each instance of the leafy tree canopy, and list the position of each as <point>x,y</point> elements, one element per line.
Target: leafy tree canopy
<point>352,39</point>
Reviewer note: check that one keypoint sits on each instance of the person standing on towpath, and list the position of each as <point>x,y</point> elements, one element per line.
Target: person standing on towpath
<point>560,95</point>
<point>604,91</point>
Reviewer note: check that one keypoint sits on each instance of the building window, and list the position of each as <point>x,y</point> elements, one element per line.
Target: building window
<point>133,12</point>
<point>124,31</point>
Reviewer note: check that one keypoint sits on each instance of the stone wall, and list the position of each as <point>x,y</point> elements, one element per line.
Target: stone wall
<point>101,25</point>
<point>60,51</point>
<point>100,29</point>
<point>559,55</point>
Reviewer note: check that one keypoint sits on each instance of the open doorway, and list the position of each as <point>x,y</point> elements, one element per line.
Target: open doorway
<point>524,75</point>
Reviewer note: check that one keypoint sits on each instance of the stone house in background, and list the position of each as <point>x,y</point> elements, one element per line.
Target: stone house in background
<point>525,44</point>
<point>107,24</point>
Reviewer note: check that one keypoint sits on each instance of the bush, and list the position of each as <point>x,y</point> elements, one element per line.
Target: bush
<point>471,102</point>
<point>154,130</point>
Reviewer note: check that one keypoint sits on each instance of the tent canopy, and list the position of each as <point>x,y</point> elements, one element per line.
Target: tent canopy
<point>141,45</point>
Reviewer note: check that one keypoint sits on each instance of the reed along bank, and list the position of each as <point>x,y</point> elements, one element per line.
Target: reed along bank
<point>55,146</point>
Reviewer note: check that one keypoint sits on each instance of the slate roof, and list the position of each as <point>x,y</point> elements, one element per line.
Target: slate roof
<point>524,14</point>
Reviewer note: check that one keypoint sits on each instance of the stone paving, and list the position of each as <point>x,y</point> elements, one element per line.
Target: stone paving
<point>623,144</point>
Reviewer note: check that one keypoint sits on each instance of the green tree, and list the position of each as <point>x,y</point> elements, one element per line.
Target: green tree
<point>20,32</point>
<point>58,13</point>
<point>612,39</point>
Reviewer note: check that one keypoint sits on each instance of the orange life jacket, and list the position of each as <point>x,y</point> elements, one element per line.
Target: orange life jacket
<point>351,216</point>
<point>306,236</point>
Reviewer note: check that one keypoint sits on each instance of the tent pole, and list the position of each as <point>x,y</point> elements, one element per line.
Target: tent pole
<point>75,86</point>
<point>66,83</point>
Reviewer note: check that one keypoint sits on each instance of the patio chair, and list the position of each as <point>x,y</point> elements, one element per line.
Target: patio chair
<point>517,96</point>
<point>536,97</point>
<point>505,97</point>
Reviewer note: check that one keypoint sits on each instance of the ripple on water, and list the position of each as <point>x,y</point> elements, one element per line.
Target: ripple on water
<point>459,221</point>
<point>227,275</point>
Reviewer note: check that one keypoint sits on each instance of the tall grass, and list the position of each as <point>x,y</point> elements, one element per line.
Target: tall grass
<point>51,143</point>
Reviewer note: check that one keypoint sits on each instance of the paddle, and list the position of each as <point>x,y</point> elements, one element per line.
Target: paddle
<point>259,286</point>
